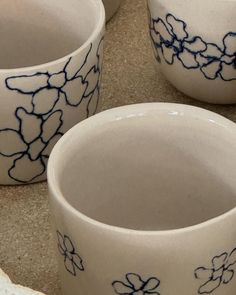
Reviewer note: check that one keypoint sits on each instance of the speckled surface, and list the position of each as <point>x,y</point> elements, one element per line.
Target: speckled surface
<point>27,250</point>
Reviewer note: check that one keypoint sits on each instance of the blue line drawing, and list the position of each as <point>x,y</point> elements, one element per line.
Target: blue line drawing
<point>220,273</point>
<point>72,261</point>
<point>173,42</point>
<point>134,284</point>
<point>29,147</point>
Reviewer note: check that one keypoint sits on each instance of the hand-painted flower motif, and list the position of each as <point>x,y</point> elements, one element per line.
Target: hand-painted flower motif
<point>221,63</point>
<point>72,261</point>
<point>30,147</point>
<point>135,285</point>
<point>69,84</point>
<point>172,42</point>
<point>52,98</point>
<point>221,272</point>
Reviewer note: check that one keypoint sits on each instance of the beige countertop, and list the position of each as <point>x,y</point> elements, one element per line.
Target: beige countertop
<point>130,76</point>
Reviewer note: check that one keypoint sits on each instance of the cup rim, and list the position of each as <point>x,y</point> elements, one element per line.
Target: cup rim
<point>99,7</point>
<point>56,193</point>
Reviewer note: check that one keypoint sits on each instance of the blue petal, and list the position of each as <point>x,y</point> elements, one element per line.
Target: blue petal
<point>232,257</point>
<point>168,54</point>
<point>36,149</point>
<point>57,80</point>
<point>50,144</point>
<point>61,245</point>
<point>51,126</point>
<point>151,285</point>
<point>188,59</point>
<point>27,84</point>
<point>156,38</point>
<point>196,45</point>
<point>74,91</point>
<point>228,72</point>
<point>212,52</point>
<point>76,64</point>
<point>230,44</point>
<point>27,119</point>
<point>78,262</point>
<point>201,60</point>
<point>122,289</point>
<point>161,29</point>
<point>178,27</point>
<point>11,143</point>
<point>203,273</point>
<point>68,244</point>
<point>92,79</point>
<point>25,170</point>
<point>211,70</point>
<point>227,276</point>
<point>69,265</point>
<point>135,281</point>
<point>45,100</point>
<point>209,286</point>
<point>219,261</point>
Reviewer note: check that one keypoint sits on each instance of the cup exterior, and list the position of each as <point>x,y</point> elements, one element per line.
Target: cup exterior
<point>38,106</point>
<point>95,258</point>
<point>194,47</point>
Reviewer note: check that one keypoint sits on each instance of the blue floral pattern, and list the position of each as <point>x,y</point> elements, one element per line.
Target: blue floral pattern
<point>72,261</point>
<point>47,93</point>
<point>221,272</point>
<point>173,42</point>
<point>135,285</point>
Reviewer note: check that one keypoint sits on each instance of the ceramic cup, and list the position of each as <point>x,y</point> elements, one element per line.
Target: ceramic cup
<point>195,46</point>
<point>50,66</point>
<point>143,199</point>
<point>111,6</point>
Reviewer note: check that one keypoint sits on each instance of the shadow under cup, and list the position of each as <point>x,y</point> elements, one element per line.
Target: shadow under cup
<point>137,168</point>
<point>36,32</point>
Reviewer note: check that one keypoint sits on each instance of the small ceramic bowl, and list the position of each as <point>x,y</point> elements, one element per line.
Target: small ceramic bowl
<point>143,199</point>
<point>50,65</point>
<point>111,6</point>
<point>195,46</point>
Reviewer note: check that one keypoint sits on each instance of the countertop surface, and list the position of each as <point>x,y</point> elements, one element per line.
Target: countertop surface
<point>27,250</point>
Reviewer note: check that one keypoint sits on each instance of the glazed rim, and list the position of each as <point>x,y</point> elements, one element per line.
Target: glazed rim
<point>99,7</point>
<point>122,113</point>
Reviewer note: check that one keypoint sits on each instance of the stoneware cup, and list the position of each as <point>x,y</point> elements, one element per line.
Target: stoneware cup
<point>195,46</point>
<point>111,6</point>
<point>50,66</point>
<point>143,199</point>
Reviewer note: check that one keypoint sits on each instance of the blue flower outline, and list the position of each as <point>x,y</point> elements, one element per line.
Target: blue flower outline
<point>72,260</point>
<point>41,113</point>
<point>136,285</point>
<point>221,272</point>
<point>27,151</point>
<point>172,41</point>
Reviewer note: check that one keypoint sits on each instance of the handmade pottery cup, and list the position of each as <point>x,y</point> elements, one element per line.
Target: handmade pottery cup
<point>143,199</point>
<point>111,6</point>
<point>195,46</point>
<point>50,60</point>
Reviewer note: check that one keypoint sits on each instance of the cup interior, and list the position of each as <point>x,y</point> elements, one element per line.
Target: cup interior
<point>40,31</point>
<point>164,169</point>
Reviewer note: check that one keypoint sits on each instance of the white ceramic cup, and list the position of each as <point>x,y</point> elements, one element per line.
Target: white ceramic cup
<point>111,6</point>
<point>195,46</point>
<point>143,199</point>
<point>50,70</point>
